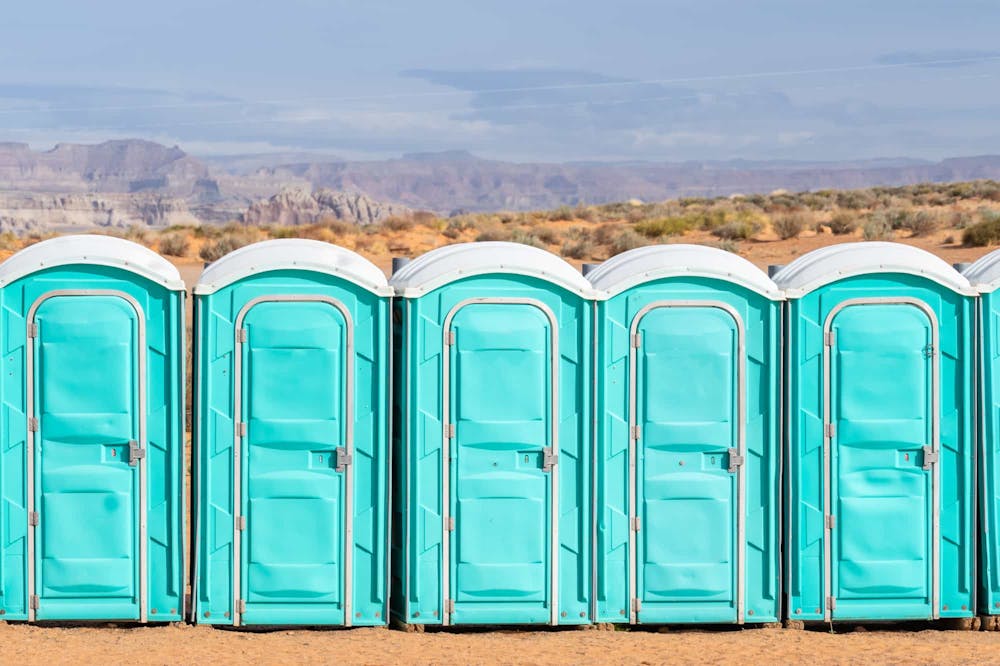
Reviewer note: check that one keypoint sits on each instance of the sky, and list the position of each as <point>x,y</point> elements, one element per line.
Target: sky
<point>521,80</point>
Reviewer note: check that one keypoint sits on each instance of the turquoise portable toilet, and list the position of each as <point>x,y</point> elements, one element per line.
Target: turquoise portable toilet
<point>984,275</point>
<point>492,456</point>
<point>880,456</point>
<point>688,438</point>
<point>291,434</point>
<point>91,477</point>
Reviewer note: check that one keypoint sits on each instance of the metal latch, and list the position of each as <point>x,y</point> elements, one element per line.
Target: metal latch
<point>451,523</point>
<point>549,459</point>
<point>637,340</point>
<point>449,605</point>
<point>242,523</point>
<point>343,458</point>
<point>636,524</point>
<point>135,453</point>
<point>636,604</point>
<point>635,432</point>
<point>929,351</point>
<point>32,424</point>
<point>449,430</point>
<point>449,338</point>
<point>735,460</point>
<point>830,338</point>
<point>931,457</point>
<point>241,606</point>
<point>241,335</point>
<point>831,603</point>
<point>33,518</point>
<point>831,522</point>
<point>33,330</point>
<point>830,430</point>
<point>33,602</point>
<point>241,429</point>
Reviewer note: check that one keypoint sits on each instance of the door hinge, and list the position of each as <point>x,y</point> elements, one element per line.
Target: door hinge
<point>637,340</point>
<point>33,602</point>
<point>636,604</point>
<point>32,424</point>
<point>241,606</point>
<point>636,524</point>
<point>343,458</point>
<point>33,518</point>
<point>831,522</point>
<point>449,430</point>
<point>135,453</point>
<point>831,603</point>
<point>931,457</point>
<point>241,335</point>
<point>449,605</point>
<point>635,431</point>
<point>241,429</point>
<point>451,523</point>
<point>830,338</point>
<point>830,430</point>
<point>242,523</point>
<point>929,351</point>
<point>549,459</point>
<point>33,330</point>
<point>449,338</point>
<point>736,460</point>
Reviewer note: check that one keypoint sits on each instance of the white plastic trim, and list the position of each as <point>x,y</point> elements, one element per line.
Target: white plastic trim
<point>293,253</point>
<point>94,250</point>
<point>653,262</point>
<point>829,264</point>
<point>984,273</point>
<point>453,262</point>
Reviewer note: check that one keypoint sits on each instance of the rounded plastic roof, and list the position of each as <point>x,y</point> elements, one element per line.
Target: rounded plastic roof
<point>984,273</point>
<point>658,261</point>
<point>292,253</point>
<point>91,249</point>
<point>825,265</point>
<point>453,262</point>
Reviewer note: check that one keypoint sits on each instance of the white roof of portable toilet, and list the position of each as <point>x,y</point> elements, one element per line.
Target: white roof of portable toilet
<point>658,261</point>
<point>825,265</point>
<point>293,253</point>
<point>452,262</point>
<point>91,249</point>
<point>984,273</point>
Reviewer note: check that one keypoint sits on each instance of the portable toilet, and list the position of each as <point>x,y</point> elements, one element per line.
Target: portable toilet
<point>688,437</point>
<point>880,458</point>
<point>91,485</point>
<point>291,433</point>
<point>492,452</point>
<point>984,275</point>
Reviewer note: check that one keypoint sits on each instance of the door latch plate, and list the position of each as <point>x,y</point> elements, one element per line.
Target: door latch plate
<point>135,453</point>
<point>735,460</point>
<point>931,457</point>
<point>343,458</point>
<point>549,459</point>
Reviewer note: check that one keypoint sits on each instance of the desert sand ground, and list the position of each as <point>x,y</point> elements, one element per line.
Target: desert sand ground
<point>24,644</point>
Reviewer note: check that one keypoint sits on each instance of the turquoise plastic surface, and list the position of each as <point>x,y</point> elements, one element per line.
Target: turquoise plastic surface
<point>699,340</point>
<point>501,534</point>
<point>313,546</point>
<point>106,339</point>
<point>895,539</point>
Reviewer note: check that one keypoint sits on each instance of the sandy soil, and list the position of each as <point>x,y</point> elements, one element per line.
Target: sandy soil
<point>202,645</point>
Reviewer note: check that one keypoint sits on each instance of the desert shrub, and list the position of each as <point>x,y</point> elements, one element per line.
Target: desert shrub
<point>665,226</point>
<point>425,218</point>
<point>175,243</point>
<point>547,235</point>
<point>226,243</point>
<point>397,223</point>
<point>736,230</point>
<point>456,226</point>
<point>492,235</point>
<point>605,233</point>
<point>856,199</point>
<point>728,246</point>
<point>625,240</point>
<point>561,214</point>
<point>877,227</point>
<point>9,241</point>
<point>789,225</point>
<point>579,248</point>
<point>585,213</point>
<point>843,223</point>
<point>524,238</point>
<point>920,223</point>
<point>985,232</point>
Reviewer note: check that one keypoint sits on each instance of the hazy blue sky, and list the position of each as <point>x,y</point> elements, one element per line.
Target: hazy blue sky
<point>519,79</point>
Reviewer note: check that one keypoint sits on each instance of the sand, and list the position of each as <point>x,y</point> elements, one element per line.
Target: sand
<point>23,644</point>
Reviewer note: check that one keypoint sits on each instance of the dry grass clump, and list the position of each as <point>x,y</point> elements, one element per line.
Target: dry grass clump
<point>175,243</point>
